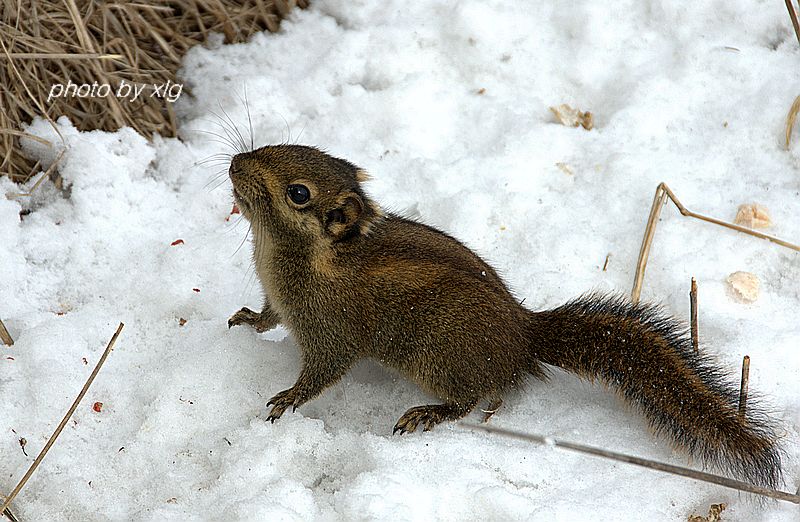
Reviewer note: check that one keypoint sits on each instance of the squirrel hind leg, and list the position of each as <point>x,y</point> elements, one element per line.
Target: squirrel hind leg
<point>430,415</point>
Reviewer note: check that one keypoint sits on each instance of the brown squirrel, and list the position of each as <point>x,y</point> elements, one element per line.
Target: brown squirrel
<point>350,281</point>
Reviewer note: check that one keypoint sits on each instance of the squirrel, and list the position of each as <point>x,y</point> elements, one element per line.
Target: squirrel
<point>351,281</point>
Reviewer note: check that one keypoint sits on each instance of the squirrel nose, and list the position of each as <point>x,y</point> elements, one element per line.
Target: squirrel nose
<point>235,170</point>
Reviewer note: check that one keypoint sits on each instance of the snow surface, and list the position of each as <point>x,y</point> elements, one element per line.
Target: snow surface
<point>694,94</point>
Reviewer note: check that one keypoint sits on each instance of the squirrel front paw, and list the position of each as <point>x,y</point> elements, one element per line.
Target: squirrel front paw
<point>282,401</point>
<point>260,321</point>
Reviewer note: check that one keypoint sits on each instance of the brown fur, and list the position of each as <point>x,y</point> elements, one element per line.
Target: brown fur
<point>351,282</point>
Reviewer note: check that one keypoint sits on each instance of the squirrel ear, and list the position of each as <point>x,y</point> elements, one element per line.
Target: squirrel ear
<point>341,221</point>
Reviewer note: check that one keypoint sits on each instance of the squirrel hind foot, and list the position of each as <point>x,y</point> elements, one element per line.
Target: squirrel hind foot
<point>429,416</point>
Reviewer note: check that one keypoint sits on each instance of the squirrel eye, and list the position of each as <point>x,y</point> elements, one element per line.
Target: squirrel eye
<point>299,194</point>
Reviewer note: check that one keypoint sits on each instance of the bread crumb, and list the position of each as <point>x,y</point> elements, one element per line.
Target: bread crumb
<point>743,286</point>
<point>565,168</point>
<point>570,117</point>
<point>714,514</point>
<point>753,215</point>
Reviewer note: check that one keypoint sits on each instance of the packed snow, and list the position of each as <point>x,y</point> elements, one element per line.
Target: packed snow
<point>446,104</point>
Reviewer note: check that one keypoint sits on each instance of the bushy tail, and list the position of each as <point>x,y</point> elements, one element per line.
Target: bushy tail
<point>649,358</point>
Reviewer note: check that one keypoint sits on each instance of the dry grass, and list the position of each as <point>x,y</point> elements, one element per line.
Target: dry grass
<point>43,43</point>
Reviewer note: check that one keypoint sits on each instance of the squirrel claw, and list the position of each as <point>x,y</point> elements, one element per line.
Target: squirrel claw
<point>281,402</point>
<point>408,423</point>
<point>260,321</point>
<point>428,417</point>
<point>243,316</point>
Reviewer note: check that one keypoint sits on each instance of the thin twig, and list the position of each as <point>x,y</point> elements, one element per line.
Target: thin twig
<point>686,212</point>
<point>64,421</point>
<point>9,515</point>
<point>27,135</point>
<point>63,56</point>
<point>605,265</point>
<point>649,230</point>
<point>793,16</point>
<point>693,311</point>
<point>745,384</point>
<point>663,193</point>
<point>4,335</point>
<point>790,119</point>
<point>646,463</point>
<point>494,405</point>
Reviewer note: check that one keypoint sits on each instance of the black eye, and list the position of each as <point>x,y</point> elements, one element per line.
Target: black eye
<point>299,194</point>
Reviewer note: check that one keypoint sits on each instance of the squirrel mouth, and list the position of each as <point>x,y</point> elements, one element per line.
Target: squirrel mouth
<point>240,201</point>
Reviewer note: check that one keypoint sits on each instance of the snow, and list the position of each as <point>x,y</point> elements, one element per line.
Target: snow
<point>691,94</point>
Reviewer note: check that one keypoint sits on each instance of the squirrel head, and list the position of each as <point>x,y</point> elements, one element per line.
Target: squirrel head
<point>296,190</point>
